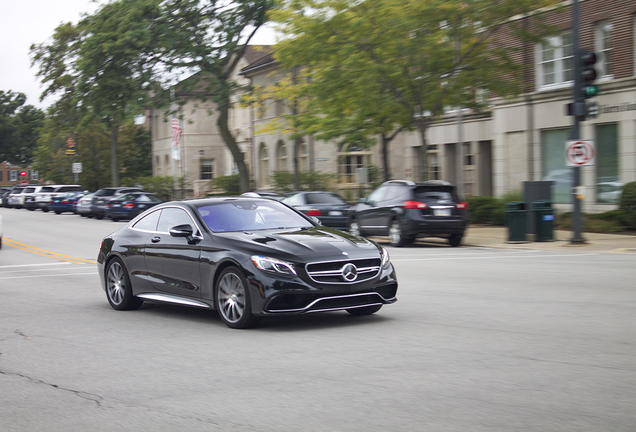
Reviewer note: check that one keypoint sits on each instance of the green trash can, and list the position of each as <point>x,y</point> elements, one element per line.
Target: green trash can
<point>516,214</point>
<point>543,220</point>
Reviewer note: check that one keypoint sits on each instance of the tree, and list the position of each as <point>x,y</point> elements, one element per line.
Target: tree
<point>104,65</point>
<point>19,125</point>
<point>210,37</point>
<point>400,64</point>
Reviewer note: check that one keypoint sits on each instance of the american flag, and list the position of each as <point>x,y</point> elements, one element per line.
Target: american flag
<point>176,136</point>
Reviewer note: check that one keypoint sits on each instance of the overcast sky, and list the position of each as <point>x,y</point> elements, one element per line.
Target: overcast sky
<point>25,22</point>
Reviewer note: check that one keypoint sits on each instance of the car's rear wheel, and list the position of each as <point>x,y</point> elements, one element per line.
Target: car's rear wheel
<point>118,287</point>
<point>58,212</point>
<point>396,235</point>
<point>233,299</point>
<point>354,227</point>
<point>366,310</point>
<point>99,216</point>
<point>455,240</point>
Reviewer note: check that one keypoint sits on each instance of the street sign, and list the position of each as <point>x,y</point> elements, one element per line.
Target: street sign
<point>579,153</point>
<point>77,167</point>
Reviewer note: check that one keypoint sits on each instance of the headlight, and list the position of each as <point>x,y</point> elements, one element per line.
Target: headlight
<point>273,265</point>
<point>386,260</point>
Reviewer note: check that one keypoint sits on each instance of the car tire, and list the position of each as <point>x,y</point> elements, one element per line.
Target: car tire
<point>118,287</point>
<point>99,216</point>
<point>455,240</point>
<point>114,219</point>
<point>58,212</point>
<point>354,227</point>
<point>45,209</point>
<point>366,310</point>
<point>396,235</point>
<point>233,299</point>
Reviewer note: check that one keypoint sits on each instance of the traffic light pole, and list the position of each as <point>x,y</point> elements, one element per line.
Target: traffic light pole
<point>575,131</point>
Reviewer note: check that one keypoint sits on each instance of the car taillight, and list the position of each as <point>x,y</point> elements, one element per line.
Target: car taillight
<point>414,205</point>
<point>313,212</point>
<point>65,202</point>
<point>462,205</point>
<point>128,205</point>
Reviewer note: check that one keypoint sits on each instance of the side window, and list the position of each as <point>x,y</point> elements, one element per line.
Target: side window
<point>148,222</point>
<point>378,194</point>
<point>171,217</point>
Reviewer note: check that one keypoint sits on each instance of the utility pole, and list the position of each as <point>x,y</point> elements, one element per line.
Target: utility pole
<point>575,131</point>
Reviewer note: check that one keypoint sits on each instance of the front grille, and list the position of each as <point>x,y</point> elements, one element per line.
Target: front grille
<point>338,272</point>
<point>305,303</point>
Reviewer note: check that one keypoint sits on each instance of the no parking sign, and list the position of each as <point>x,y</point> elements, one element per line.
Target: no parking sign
<point>579,153</point>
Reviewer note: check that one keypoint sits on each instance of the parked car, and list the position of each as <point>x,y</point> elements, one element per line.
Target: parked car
<point>65,202</point>
<point>16,199</point>
<point>29,195</point>
<point>264,194</point>
<point>129,205</point>
<point>328,207</point>
<point>84,205</point>
<point>404,210</point>
<point>102,196</point>
<point>4,196</point>
<point>44,196</point>
<point>245,257</point>
<point>0,231</point>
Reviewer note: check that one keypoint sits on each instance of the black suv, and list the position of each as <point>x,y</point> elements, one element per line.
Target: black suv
<point>102,196</point>
<point>404,210</point>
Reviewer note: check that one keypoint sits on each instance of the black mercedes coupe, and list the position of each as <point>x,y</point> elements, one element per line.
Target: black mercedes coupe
<point>245,257</point>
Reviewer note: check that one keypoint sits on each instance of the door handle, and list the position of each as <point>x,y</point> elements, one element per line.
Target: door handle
<point>156,239</point>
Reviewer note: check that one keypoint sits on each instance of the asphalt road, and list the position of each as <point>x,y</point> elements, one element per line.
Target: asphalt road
<point>480,339</point>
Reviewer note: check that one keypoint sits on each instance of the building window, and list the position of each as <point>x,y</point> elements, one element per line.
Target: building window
<point>34,175</point>
<point>13,175</point>
<point>554,165</point>
<point>434,169</point>
<point>348,163</point>
<point>555,61</point>
<point>263,158</point>
<point>303,157</point>
<point>207,169</point>
<point>0,175</point>
<point>608,185</point>
<point>469,157</point>
<point>603,47</point>
<point>281,157</point>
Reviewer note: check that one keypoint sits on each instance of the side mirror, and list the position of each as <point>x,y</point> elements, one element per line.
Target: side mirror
<point>315,219</point>
<point>181,231</point>
<point>363,200</point>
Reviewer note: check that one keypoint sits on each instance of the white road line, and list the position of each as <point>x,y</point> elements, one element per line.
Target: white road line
<point>47,276</point>
<point>3,272</point>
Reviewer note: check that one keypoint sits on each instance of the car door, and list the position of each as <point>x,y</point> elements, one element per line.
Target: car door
<point>368,212</point>
<point>173,262</point>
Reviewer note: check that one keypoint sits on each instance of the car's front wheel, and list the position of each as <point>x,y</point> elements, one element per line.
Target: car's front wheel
<point>396,235</point>
<point>118,287</point>
<point>233,299</point>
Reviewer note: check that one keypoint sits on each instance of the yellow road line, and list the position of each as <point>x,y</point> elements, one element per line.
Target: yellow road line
<point>46,253</point>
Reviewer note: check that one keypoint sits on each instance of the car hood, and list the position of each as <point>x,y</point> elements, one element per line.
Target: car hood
<point>311,244</point>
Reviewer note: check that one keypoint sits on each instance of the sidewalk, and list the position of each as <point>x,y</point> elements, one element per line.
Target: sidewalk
<point>497,237</point>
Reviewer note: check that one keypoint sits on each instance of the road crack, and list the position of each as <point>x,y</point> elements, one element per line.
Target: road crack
<point>84,395</point>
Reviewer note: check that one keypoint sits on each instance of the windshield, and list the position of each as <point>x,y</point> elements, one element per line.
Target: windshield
<point>248,215</point>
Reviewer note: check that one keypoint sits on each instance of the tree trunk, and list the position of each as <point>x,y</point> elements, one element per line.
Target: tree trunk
<point>114,166</point>
<point>297,143</point>
<point>385,157</point>
<point>422,154</point>
<point>230,142</point>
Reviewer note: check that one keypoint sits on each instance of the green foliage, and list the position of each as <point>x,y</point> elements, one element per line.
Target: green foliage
<point>490,210</point>
<point>283,181</point>
<point>228,184</point>
<point>628,204</point>
<point>19,125</point>
<point>608,222</point>
<point>386,65</point>
<point>135,149</point>
<point>162,186</point>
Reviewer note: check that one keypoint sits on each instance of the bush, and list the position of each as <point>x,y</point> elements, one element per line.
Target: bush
<point>489,210</point>
<point>162,186</point>
<point>628,205</point>
<point>608,222</point>
<point>229,184</point>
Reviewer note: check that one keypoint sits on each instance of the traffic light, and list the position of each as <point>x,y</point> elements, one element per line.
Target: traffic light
<point>587,60</point>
